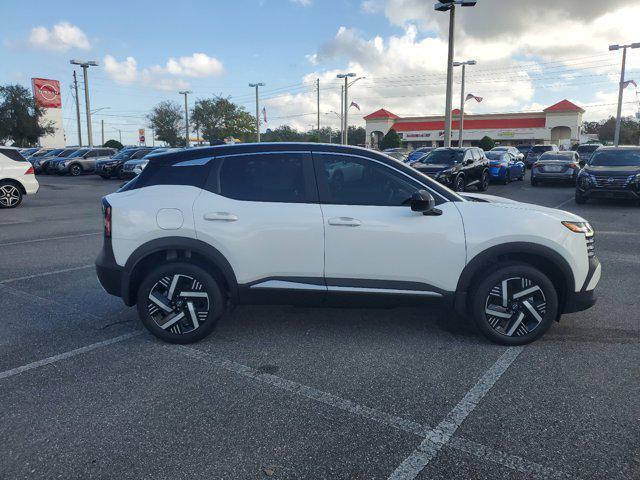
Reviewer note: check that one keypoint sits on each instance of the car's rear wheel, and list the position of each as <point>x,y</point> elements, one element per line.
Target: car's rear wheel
<point>484,182</point>
<point>515,304</point>
<point>75,170</point>
<point>180,302</point>
<point>119,174</point>
<point>10,195</point>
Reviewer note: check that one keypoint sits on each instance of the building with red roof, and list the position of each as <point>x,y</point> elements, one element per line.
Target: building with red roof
<point>559,124</point>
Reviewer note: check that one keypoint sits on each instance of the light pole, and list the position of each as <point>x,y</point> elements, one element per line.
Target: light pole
<point>346,96</point>
<point>85,66</point>
<point>462,99</point>
<point>337,115</point>
<point>616,138</point>
<point>257,86</point>
<point>75,86</point>
<point>450,6</point>
<point>186,117</point>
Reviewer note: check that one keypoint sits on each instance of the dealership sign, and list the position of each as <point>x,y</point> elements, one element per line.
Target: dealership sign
<point>47,92</point>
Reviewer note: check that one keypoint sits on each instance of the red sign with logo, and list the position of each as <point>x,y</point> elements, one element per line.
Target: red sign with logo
<point>47,92</point>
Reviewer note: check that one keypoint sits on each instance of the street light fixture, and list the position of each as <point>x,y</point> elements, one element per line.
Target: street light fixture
<point>616,138</point>
<point>462,99</point>
<point>345,116</point>
<point>450,6</point>
<point>257,86</point>
<point>85,66</point>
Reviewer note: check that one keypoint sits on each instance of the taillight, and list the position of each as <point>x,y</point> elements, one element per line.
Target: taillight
<point>535,165</point>
<point>574,166</point>
<point>106,212</point>
<point>29,171</point>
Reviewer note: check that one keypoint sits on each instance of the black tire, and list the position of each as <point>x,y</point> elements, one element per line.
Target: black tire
<point>459,184</point>
<point>483,186</point>
<point>119,174</point>
<point>206,311</point>
<point>534,182</point>
<point>507,178</point>
<point>10,194</point>
<point>580,199</point>
<point>75,170</point>
<point>527,317</point>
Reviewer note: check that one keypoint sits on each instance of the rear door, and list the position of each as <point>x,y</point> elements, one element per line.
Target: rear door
<point>261,211</point>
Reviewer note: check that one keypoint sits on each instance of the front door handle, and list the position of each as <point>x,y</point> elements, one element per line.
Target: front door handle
<point>345,222</point>
<point>220,217</point>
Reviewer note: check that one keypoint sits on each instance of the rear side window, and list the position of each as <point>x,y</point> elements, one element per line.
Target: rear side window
<point>268,177</point>
<point>12,154</point>
<point>189,172</point>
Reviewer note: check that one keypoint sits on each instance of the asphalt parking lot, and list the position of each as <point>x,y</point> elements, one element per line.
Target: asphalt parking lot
<point>301,393</point>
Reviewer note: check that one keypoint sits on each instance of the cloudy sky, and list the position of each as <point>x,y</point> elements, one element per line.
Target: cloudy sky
<point>530,54</point>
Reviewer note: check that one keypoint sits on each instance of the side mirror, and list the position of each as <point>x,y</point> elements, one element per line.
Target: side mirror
<point>423,201</point>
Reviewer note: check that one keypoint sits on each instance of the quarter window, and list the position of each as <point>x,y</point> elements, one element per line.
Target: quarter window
<point>355,181</point>
<point>270,177</point>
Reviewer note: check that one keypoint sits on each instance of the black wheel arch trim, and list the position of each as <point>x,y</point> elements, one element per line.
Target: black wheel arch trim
<point>475,265</point>
<point>177,243</point>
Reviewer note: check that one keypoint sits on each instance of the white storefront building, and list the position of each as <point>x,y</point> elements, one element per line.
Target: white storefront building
<point>559,124</point>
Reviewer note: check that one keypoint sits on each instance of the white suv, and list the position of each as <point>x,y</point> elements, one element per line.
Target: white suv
<point>202,229</point>
<point>16,178</point>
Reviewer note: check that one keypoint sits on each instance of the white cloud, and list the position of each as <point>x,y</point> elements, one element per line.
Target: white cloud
<point>61,37</point>
<point>304,3</point>
<point>163,77</point>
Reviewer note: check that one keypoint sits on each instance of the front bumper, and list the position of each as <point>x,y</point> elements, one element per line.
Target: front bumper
<point>614,193</point>
<point>579,301</point>
<point>105,169</point>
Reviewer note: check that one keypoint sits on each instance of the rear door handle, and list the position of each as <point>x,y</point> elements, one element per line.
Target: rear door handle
<point>220,217</point>
<point>345,222</point>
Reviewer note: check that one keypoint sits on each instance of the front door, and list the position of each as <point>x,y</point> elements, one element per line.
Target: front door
<point>374,243</point>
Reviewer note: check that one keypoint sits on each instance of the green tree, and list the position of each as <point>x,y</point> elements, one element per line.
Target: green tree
<point>357,136</point>
<point>283,133</point>
<point>112,144</point>
<point>166,120</point>
<point>486,143</point>
<point>219,118</point>
<point>21,118</point>
<point>629,131</point>
<point>390,140</point>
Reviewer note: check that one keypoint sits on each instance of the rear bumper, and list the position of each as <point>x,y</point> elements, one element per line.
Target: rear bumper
<point>556,177</point>
<point>109,273</point>
<point>30,184</point>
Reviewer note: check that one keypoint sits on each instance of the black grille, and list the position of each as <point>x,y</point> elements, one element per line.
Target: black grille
<point>591,246</point>
<point>612,181</point>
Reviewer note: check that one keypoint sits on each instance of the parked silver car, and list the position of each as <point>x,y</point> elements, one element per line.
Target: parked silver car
<point>557,167</point>
<point>81,161</point>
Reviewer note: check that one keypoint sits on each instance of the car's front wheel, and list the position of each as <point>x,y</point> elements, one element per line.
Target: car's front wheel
<point>459,184</point>
<point>75,170</point>
<point>484,182</point>
<point>180,302</point>
<point>515,304</point>
<point>10,195</point>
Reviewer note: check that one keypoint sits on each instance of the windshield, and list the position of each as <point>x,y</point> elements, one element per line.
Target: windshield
<point>616,158</point>
<point>66,152</point>
<point>499,149</point>
<point>79,153</point>
<point>541,148</point>
<point>140,153</point>
<point>443,157</point>
<point>494,155</point>
<point>587,148</point>
<point>556,156</point>
<point>124,154</point>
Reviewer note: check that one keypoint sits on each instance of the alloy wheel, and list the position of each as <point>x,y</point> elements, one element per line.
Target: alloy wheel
<point>459,183</point>
<point>515,307</point>
<point>178,303</point>
<point>9,196</point>
<point>75,170</point>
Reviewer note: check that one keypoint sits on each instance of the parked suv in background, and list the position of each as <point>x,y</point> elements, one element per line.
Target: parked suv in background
<point>457,168</point>
<point>137,163</point>
<point>16,178</point>
<point>40,163</point>
<point>112,167</point>
<point>586,150</point>
<point>612,172</point>
<point>556,167</point>
<point>203,229</point>
<point>82,161</point>
<point>536,151</point>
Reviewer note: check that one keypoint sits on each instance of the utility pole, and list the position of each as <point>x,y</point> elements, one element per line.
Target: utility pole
<point>186,117</point>
<point>85,69</point>
<point>342,114</point>
<point>450,6</point>
<point>120,135</point>
<point>153,138</point>
<point>318,106</point>
<point>75,86</point>
<point>462,99</point>
<point>102,125</point>
<point>257,86</point>
<point>621,86</point>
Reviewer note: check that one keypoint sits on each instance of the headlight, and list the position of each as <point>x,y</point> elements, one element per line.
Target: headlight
<point>579,227</point>
<point>444,173</point>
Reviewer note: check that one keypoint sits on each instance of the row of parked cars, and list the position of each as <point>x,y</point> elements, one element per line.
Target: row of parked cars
<point>106,162</point>
<point>594,170</point>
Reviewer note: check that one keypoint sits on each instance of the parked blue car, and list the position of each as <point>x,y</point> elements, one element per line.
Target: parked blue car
<point>417,154</point>
<point>504,167</point>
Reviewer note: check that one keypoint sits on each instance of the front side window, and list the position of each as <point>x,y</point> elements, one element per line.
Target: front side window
<point>356,181</point>
<point>269,177</point>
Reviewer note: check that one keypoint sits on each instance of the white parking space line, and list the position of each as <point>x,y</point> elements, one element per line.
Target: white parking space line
<point>65,355</point>
<point>44,274</point>
<point>442,434</point>
<point>35,240</point>
<point>482,452</point>
<point>564,203</point>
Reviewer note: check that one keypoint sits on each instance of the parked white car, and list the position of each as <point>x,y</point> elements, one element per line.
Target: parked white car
<point>16,178</point>
<point>202,229</point>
